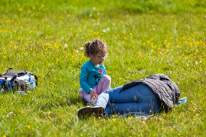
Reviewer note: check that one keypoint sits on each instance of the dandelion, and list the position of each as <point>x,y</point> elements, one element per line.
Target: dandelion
<point>29,11</point>
<point>143,44</point>
<point>197,114</point>
<point>28,127</point>
<point>143,122</point>
<point>113,120</point>
<point>49,117</point>
<point>130,118</point>
<point>20,9</point>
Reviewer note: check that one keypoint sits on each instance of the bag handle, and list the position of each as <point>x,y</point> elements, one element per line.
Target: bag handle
<point>35,78</point>
<point>9,69</point>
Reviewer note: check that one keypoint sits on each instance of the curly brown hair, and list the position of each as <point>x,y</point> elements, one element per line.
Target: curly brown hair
<point>95,47</point>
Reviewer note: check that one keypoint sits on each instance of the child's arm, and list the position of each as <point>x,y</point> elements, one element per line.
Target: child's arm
<point>83,78</point>
<point>104,69</point>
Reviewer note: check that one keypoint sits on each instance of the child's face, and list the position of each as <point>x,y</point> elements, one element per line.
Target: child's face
<point>98,58</point>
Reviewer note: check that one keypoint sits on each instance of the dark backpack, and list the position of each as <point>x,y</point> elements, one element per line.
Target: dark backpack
<point>17,80</point>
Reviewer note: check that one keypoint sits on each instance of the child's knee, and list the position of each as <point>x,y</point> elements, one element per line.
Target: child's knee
<point>107,78</point>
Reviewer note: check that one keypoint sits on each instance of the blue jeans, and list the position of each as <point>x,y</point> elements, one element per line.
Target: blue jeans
<point>138,99</point>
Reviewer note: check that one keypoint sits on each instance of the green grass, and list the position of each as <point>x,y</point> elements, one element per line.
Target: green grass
<point>144,38</point>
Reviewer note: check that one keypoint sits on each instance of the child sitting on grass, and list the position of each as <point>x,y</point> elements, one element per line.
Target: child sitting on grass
<point>93,78</point>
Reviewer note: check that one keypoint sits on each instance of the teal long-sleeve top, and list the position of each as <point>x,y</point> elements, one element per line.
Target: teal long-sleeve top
<point>90,75</point>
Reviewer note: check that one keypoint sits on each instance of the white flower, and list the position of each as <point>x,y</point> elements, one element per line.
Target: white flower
<point>81,48</point>
<point>65,45</point>
<point>76,51</point>
<point>104,30</point>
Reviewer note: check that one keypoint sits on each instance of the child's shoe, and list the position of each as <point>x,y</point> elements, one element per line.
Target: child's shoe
<point>88,111</point>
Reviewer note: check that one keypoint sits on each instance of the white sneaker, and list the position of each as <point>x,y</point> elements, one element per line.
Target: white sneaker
<point>88,111</point>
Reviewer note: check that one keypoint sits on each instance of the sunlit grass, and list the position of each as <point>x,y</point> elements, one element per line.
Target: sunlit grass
<point>144,38</point>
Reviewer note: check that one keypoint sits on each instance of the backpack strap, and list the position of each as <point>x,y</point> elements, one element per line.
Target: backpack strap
<point>35,78</point>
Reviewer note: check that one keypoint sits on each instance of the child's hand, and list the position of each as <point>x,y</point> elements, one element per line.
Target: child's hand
<point>93,94</point>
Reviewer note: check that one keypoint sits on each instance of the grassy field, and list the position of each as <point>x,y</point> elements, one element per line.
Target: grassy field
<point>144,37</point>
